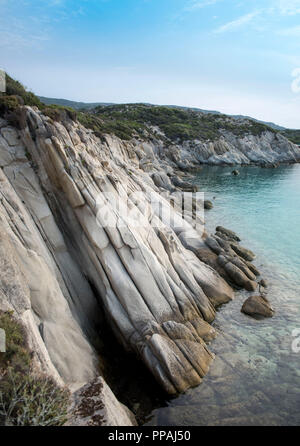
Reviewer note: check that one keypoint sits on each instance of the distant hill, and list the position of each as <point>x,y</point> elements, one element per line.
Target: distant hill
<point>178,124</point>
<point>72,104</point>
<point>91,105</point>
<point>214,112</point>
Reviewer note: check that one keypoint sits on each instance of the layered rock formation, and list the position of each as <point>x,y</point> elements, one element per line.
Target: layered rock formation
<point>59,186</point>
<point>267,149</point>
<point>92,226</point>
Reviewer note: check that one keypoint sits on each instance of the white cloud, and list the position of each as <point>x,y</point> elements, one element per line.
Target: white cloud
<point>235,24</point>
<point>198,4</point>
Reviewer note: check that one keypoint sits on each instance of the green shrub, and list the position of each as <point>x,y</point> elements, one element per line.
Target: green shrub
<point>134,120</point>
<point>178,124</point>
<point>17,355</point>
<point>25,398</point>
<point>59,112</point>
<point>16,94</point>
<point>15,88</point>
<point>8,104</point>
<point>292,135</point>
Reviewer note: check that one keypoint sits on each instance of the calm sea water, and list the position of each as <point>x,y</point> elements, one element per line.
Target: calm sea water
<point>255,378</point>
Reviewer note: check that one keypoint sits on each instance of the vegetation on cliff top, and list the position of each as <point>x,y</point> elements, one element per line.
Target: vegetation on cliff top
<point>177,124</point>
<point>141,120</point>
<point>292,135</point>
<point>26,399</point>
<point>16,94</point>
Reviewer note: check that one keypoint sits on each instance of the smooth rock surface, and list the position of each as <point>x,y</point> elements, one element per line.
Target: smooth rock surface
<point>95,405</point>
<point>81,256</point>
<point>258,306</point>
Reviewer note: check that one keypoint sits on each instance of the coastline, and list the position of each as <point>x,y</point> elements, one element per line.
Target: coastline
<point>254,378</point>
<point>158,285</point>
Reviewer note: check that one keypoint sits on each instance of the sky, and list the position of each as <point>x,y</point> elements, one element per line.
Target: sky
<point>237,57</point>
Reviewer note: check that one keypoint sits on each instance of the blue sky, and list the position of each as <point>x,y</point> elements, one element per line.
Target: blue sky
<point>237,57</point>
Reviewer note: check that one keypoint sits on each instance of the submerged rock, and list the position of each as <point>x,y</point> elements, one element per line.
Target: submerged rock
<point>257,306</point>
<point>208,204</point>
<point>263,283</point>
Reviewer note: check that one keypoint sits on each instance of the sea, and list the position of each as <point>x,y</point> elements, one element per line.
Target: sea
<point>255,378</point>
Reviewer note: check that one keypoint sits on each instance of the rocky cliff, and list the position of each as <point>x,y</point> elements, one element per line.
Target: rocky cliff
<point>266,149</point>
<point>192,137</point>
<point>71,256</point>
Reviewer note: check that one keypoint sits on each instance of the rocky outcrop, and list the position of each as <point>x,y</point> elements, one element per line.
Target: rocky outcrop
<point>268,149</point>
<point>76,255</point>
<point>95,405</point>
<point>258,306</point>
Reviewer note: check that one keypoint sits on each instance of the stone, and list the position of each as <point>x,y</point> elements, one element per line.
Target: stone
<point>208,204</point>
<point>253,268</point>
<point>227,232</point>
<point>94,404</point>
<point>250,285</point>
<point>162,180</point>
<point>258,306</point>
<point>71,190</point>
<point>213,245</point>
<point>11,136</point>
<point>263,283</point>
<point>236,274</point>
<point>246,254</point>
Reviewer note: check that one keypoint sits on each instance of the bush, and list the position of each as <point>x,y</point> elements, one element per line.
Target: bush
<point>15,88</point>
<point>8,104</point>
<point>26,399</point>
<point>59,113</point>
<point>17,355</point>
<point>16,94</point>
<point>292,135</point>
<point>178,124</point>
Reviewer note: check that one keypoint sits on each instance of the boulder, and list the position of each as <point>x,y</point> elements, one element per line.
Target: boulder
<point>208,204</point>
<point>183,185</point>
<point>237,275</point>
<point>263,283</point>
<point>245,253</point>
<point>258,306</point>
<point>228,233</point>
<point>94,404</point>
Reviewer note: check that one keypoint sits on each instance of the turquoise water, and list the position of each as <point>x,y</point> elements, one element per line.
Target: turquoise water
<point>255,378</point>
